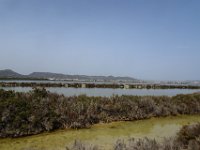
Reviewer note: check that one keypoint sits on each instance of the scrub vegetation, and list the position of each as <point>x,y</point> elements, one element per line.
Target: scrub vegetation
<point>98,85</point>
<point>23,114</point>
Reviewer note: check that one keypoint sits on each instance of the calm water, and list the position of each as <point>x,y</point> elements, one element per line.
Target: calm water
<point>108,91</point>
<point>101,134</point>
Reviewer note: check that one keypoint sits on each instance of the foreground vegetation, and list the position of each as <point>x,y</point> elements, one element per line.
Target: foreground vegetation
<point>23,114</point>
<point>188,138</point>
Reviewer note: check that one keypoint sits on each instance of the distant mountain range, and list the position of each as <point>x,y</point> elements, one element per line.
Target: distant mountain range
<point>10,74</point>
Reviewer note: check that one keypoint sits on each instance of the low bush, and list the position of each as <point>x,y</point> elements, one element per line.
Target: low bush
<point>23,114</point>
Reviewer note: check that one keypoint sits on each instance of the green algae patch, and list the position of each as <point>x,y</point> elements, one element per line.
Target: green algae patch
<point>103,135</point>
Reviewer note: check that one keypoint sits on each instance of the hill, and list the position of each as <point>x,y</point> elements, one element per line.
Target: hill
<point>7,73</point>
<point>57,76</point>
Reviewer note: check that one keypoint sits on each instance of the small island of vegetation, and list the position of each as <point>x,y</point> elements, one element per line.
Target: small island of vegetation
<point>97,85</point>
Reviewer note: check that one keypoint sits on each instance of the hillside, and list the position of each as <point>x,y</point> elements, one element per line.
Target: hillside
<point>57,76</point>
<point>7,73</point>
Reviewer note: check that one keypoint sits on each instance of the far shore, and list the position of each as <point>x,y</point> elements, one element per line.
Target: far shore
<point>81,84</point>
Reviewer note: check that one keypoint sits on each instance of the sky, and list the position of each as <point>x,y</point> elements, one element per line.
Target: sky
<point>145,39</point>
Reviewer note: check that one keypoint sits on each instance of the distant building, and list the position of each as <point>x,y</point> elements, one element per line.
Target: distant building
<point>51,79</point>
<point>83,85</point>
<point>126,86</point>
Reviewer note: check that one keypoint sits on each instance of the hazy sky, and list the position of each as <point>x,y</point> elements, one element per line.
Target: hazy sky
<point>145,39</point>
